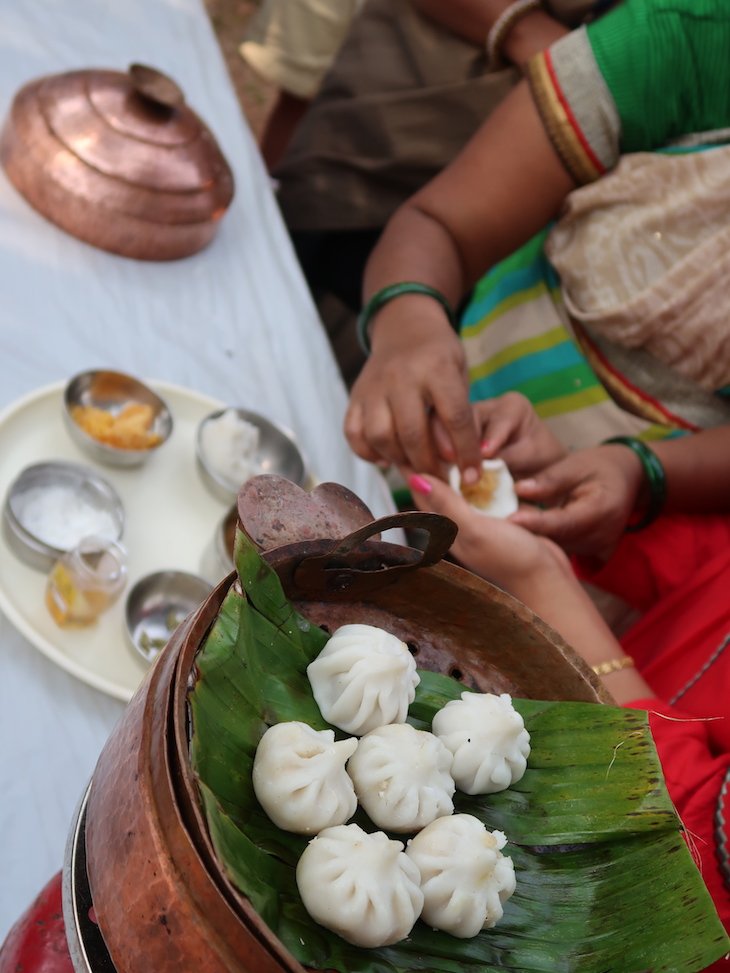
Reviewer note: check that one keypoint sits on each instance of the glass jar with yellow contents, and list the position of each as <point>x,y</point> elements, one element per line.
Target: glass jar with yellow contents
<point>86,580</point>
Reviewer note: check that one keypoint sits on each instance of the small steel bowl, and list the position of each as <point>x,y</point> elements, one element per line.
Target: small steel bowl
<point>217,559</point>
<point>111,391</point>
<point>277,452</point>
<point>21,510</point>
<point>157,604</point>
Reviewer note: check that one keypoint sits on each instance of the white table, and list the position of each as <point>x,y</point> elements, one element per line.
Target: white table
<point>234,322</point>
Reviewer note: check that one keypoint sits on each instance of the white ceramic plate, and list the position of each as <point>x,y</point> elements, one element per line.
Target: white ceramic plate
<point>171,518</point>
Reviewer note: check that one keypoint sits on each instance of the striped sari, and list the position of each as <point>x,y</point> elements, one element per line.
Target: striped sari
<point>616,320</point>
<point>517,337</point>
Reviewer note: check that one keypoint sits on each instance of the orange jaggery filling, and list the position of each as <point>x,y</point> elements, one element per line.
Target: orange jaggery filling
<point>481,493</point>
<point>128,429</point>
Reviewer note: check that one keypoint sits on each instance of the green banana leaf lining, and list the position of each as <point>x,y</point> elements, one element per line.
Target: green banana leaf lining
<point>605,882</point>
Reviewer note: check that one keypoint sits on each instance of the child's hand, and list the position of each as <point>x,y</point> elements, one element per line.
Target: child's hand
<point>590,496</point>
<point>510,428</point>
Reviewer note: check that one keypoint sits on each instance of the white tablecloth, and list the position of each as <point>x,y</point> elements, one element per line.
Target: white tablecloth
<point>234,321</point>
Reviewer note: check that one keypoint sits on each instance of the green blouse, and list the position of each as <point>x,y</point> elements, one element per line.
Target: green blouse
<point>647,74</point>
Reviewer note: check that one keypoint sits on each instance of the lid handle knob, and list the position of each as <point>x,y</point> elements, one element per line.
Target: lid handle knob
<point>156,86</point>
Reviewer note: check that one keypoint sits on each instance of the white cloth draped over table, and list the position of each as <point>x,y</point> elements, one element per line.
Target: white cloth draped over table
<point>234,322</point>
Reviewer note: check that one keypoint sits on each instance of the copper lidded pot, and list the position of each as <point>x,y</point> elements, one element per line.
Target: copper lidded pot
<point>118,160</point>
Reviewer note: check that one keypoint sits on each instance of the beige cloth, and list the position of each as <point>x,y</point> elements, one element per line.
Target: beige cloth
<point>292,43</point>
<point>643,255</point>
<point>401,99</point>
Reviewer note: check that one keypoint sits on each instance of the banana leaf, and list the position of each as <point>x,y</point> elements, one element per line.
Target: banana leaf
<point>605,882</point>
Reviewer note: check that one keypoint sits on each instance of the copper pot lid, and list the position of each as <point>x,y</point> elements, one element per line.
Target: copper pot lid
<point>120,125</point>
<point>120,141</point>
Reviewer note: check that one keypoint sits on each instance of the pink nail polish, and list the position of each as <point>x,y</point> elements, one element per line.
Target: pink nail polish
<point>419,484</point>
<point>470,476</point>
<point>485,445</point>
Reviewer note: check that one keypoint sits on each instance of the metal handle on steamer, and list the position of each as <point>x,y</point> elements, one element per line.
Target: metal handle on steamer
<point>352,568</point>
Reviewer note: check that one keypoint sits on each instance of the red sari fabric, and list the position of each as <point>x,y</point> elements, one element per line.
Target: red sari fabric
<point>677,572</point>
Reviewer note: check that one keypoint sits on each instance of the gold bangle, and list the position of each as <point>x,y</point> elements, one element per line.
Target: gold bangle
<point>613,665</point>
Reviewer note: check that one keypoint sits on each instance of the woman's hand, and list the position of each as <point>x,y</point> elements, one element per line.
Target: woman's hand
<point>589,496</point>
<point>496,549</point>
<point>416,372</point>
<point>537,572</point>
<point>509,427</point>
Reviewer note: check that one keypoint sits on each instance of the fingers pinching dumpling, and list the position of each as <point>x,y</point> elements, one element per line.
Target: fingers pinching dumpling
<point>300,780</point>
<point>488,740</point>
<point>494,492</point>
<point>465,878</point>
<point>361,886</point>
<point>402,777</point>
<point>363,678</point>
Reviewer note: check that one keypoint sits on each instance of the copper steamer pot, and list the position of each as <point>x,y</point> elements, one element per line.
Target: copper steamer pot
<point>161,899</point>
<point>118,160</point>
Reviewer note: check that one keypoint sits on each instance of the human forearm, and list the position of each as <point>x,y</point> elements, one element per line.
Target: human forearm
<point>417,366</point>
<point>504,187</point>
<point>534,570</point>
<point>697,469</point>
<point>413,247</point>
<point>556,596</point>
<point>530,35</point>
<point>501,189</point>
<point>472,20</point>
<point>416,247</point>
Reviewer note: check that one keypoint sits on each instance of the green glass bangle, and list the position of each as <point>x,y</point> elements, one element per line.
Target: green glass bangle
<point>656,479</point>
<point>387,294</point>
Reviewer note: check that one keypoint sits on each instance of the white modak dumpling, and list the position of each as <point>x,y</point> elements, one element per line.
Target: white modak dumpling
<point>488,740</point>
<point>361,886</point>
<point>494,492</point>
<point>402,777</point>
<point>465,878</point>
<point>363,678</point>
<point>300,780</point>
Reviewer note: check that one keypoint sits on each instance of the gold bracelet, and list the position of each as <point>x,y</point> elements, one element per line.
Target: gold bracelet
<point>613,665</point>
